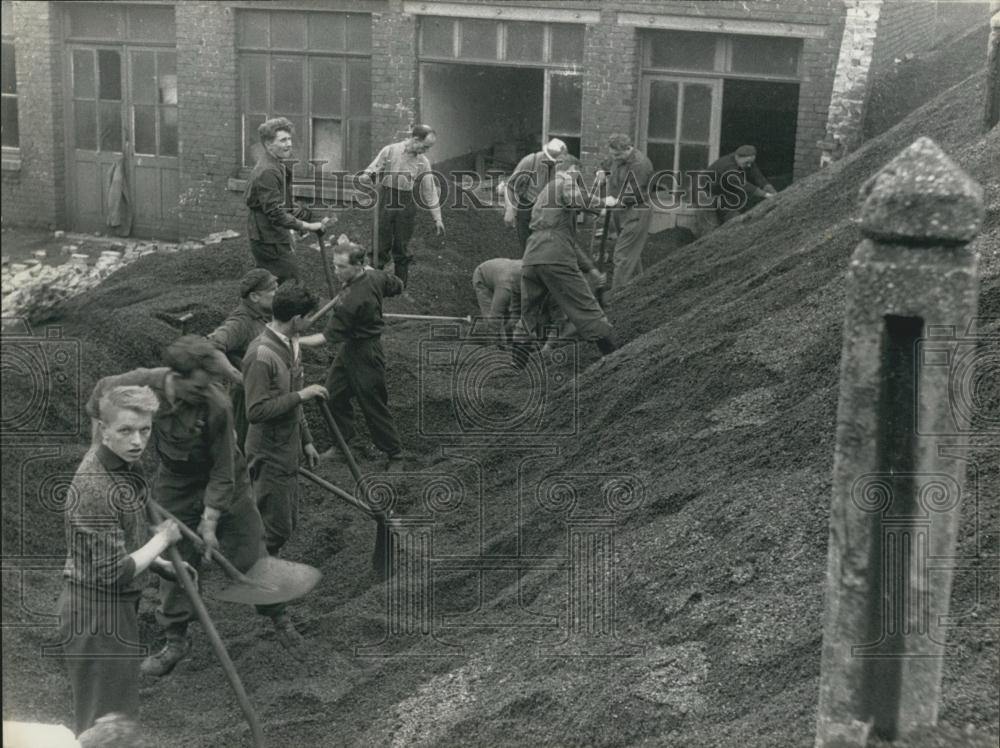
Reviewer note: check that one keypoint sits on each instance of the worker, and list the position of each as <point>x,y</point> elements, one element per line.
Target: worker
<point>628,173</point>
<point>358,371</point>
<point>272,212</point>
<point>108,554</point>
<point>737,183</point>
<point>553,266</point>
<point>233,337</point>
<point>201,479</point>
<point>532,173</point>
<point>497,284</point>
<point>279,436</point>
<point>400,169</point>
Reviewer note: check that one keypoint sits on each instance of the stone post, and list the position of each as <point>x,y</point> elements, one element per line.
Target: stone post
<point>992,114</point>
<point>911,300</point>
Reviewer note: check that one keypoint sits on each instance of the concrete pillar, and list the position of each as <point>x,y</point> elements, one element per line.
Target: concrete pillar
<point>909,353</point>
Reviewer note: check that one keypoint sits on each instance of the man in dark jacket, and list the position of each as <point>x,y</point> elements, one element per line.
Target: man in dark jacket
<point>628,173</point>
<point>273,214</point>
<point>358,371</point>
<point>738,183</point>
<point>239,329</point>
<point>279,437</point>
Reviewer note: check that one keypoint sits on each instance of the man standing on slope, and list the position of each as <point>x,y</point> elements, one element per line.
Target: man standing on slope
<point>279,436</point>
<point>628,173</point>
<point>401,170</point>
<point>553,266</point>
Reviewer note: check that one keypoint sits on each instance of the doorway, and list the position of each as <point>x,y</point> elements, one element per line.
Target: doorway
<point>763,114</point>
<point>122,139</point>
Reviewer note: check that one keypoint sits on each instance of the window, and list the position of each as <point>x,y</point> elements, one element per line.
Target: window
<point>313,68</point>
<point>8,82</point>
<point>733,56</point>
<point>104,21</point>
<point>501,41</point>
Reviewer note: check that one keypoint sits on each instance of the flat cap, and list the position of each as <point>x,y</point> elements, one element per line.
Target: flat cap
<point>257,279</point>
<point>746,150</point>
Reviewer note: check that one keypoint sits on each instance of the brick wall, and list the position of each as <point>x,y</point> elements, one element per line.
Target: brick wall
<point>904,26</point>
<point>394,73</point>
<point>33,195</point>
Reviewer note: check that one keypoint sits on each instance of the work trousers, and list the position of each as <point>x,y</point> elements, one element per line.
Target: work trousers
<point>397,217</point>
<point>276,492</point>
<point>566,287</point>
<point>632,227</point>
<point>276,258</point>
<point>358,372</point>
<point>240,533</point>
<point>99,636</point>
<point>238,397</point>
<point>484,296</point>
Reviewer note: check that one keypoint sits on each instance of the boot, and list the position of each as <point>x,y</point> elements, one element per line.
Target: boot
<point>606,345</point>
<point>164,661</point>
<point>286,633</point>
<point>402,271</point>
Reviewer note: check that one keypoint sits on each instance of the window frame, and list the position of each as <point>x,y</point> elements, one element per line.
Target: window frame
<point>723,61</point>
<point>304,135</point>
<point>501,45</point>
<point>7,39</point>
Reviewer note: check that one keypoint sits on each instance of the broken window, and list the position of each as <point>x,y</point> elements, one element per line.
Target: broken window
<point>313,68</point>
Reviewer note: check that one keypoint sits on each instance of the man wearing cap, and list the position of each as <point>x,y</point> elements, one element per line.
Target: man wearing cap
<point>738,183</point>
<point>627,173</point>
<point>403,173</point>
<point>233,336</point>
<point>273,214</point>
<point>532,173</point>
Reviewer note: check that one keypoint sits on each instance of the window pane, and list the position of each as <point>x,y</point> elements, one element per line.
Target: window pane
<point>766,55</point>
<point>253,29</point>
<point>565,104</point>
<point>94,21</point>
<point>359,137</point>
<point>437,36</point>
<point>525,41</point>
<point>167,69</point>
<point>662,122</point>
<point>326,31</point>
<point>326,81</point>
<point>8,122</point>
<point>697,116</point>
<point>154,23</point>
<point>567,43</point>
<point>84,82</point>
<point>359,88</point>
<point>109,74</point>
<point>682,50</point>
<point>85,125</point>
<point>328,143</point>
<point>7,17</point>
<point>693,157</point>
<point>144,77</point>
<point>168,131</point>
<point>288,31</point>
<point>145,129</point>
<point>479,39</point>
<point>662,155</point>
<point>251,143</point>
<point>111,126</point>
<point>286,82</point>
<point>8,73</point>
<point>359,33</point>
<point>253,70</point>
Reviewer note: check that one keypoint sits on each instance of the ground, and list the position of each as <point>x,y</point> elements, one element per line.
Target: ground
<point>691,470</point>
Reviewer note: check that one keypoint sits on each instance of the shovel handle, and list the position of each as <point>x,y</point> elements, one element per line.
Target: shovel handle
<point>225,563</point>
<point>336,491</point>
<point>341,442</point>
<point>213,636</point>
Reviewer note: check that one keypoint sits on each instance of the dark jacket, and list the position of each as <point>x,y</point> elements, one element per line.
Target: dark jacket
<point>753,179</point>
<point>629,180</point>
<point>357,310</point>
<point>234,335</point>
<point>272,210</point>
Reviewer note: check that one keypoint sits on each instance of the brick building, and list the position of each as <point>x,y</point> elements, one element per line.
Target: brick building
<point>169,94</point>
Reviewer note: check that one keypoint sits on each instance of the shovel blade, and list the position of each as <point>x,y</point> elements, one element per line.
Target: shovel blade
<point>272,580</point>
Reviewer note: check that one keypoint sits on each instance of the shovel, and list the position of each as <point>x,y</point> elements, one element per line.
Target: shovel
<point>380,554</point>
<point>158,513</point>
<point>270,580</point>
